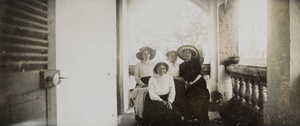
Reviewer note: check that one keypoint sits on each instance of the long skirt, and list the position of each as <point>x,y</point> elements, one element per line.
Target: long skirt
<point>198,99</point>
<point>140,100</point>
<point>180,101</point>
<point>158,113</point>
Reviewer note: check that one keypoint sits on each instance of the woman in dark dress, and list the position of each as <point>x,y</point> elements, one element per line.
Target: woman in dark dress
<point>197,93</point>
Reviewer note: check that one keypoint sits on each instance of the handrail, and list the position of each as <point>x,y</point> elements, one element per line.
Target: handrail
<point>248,71</point>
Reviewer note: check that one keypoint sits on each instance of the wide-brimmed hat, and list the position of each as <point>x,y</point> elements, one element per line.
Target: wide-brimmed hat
<point>182,49</point>
<point>150,50</point>
<point>170,52</point>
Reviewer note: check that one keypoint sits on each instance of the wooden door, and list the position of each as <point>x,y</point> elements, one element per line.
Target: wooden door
<point>27,53</point>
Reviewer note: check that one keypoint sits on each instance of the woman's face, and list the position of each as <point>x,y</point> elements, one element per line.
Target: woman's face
<point>188,55</point>
<point>161,70</point>
<point>172,57</point>
<point>146,55</point>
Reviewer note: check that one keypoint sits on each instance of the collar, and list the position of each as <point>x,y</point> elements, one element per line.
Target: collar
<point>146,62</point>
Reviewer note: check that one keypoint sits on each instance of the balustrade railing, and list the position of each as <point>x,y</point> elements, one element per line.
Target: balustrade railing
<point>249,85</point>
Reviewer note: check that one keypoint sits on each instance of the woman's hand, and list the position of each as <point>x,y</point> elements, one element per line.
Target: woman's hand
<point>168,104</point>
<point>142,84</point>
<point>178,78</point>
<point>188,84</point>
<point>165,103</point>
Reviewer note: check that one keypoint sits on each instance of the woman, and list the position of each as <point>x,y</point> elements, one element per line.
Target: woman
<point>158,104</point>
<point>180,100</point>
<point>173,65</point>
<point>143,69</point>
<point>197,93</point>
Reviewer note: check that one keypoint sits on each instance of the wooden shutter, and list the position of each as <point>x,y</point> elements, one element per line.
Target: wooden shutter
<point>24,35</point>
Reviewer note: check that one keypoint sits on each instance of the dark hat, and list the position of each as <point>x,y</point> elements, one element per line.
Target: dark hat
<point>150,50</point>
<point>182,49</point>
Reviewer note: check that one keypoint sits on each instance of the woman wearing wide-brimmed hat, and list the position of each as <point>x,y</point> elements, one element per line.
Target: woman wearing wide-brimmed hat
<point>179,102</point>
<point>143,72</point>
<point>197,93</point>
<point>144,69</point>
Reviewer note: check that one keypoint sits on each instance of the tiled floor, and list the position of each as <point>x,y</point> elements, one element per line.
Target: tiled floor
<point>128,119</point>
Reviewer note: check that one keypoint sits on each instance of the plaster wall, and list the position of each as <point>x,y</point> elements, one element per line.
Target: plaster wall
<point>282,107</point>
<point>228,43</point>
<point>278,56</point>
<point>228,30</point>
<point>86,55</point>
<point>295,57</point>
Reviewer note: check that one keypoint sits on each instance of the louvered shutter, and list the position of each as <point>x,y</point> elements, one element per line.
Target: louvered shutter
<point>24,35</point>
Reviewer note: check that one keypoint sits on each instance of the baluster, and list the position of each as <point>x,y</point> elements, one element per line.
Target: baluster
<point>236,88</point>
<point>262,98</point>
<point>254,96</point>
<point>233,85</point>
<point>242,90</point>
<point>248,92</point>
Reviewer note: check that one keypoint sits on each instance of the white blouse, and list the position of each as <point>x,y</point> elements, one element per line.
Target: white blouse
<point>143,69</point>
<point>173,69</point>
<point>161,85</point>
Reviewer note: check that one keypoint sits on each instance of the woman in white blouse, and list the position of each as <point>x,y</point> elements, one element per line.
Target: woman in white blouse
<point>158,105</point>
<point>142,73</point>
<point>143,69</point>
<point>180,100</point>
<point>173,65</point>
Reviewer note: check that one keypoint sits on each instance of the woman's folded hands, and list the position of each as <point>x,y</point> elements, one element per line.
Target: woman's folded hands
<point>168,104</point>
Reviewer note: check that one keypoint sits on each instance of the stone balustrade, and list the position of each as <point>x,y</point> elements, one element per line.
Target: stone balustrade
<point>249,89</point>
<point>249,85</point>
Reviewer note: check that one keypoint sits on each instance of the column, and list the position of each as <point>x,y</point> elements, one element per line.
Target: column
<point>214,64</point>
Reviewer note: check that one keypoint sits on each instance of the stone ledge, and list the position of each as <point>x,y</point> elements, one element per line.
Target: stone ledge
<point>245,71</point>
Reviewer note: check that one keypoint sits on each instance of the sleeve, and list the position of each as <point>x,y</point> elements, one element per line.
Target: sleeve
<point>152,94</point>
<point>198,67</point>
<point>137,73</point>
<point>172,92</point>
<point>181,70</point>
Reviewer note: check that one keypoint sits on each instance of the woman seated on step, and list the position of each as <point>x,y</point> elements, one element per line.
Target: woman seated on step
<point>197,93</point>
<point>180,100</point>
<point>143,71</point>
<point>158,107</point>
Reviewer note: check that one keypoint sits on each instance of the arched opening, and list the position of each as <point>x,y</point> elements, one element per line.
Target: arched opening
<point>166,25</point>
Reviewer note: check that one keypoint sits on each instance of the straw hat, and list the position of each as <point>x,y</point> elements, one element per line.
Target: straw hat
<point>170,52</point>
<point>150,50</point>
<point>182,49</point>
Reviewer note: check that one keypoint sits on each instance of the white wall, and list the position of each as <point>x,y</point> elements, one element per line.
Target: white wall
<point>86,55</point>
